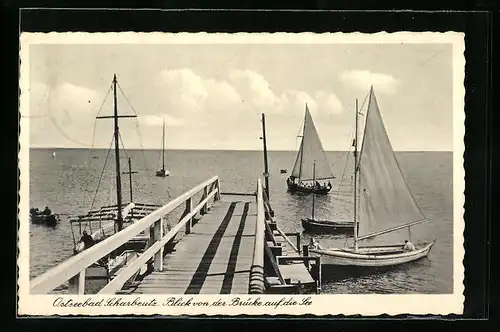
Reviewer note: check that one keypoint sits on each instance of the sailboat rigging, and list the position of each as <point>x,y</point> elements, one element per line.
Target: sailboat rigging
<point>383,201</point>
<point>110,219</point>
<point>163,172</point>
<point>311,149</point>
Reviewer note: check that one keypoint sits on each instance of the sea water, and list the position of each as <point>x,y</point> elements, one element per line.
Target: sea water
<point>67,184</point>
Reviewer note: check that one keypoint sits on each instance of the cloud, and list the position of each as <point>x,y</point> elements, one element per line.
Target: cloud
<point>64,109</point>
<point>363,79</point>
<point>255,89</point>
<point>185,92</point>
<point>224,107</point>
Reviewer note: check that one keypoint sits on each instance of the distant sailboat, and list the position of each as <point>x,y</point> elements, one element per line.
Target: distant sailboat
<point>163,172</point>
<point>311,149</point>
<point>53,154</point>
<point>385,203</point>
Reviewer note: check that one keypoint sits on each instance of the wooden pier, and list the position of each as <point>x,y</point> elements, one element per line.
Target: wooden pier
<point>226,244</point>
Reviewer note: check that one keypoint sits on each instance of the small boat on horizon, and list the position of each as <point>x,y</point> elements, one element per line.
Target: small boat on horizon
<point>385,205</point>
<point>310,150</point>
<point>163,172</point>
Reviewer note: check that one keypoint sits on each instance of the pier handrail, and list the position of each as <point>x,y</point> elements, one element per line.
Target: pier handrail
<point>79,263</point>
<point>257,279</point>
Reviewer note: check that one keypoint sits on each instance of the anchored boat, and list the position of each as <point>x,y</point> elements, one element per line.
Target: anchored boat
<point>301,180</point>
<point>163,172</point>
<point>385,204</point>
<point>315,225</point>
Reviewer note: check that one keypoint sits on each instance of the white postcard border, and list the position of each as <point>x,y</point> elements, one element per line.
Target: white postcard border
<point>283,304</point>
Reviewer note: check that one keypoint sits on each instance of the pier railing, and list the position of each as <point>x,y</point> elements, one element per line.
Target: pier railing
<point>257,278</point>
<point>75,267</point>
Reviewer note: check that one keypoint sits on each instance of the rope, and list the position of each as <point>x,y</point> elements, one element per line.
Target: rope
<point>137,127</point>
<point>100,177</point>
<point>94,131</point>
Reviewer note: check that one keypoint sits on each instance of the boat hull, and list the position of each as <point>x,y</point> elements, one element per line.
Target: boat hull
<point>327,226</point>
<point>376,256</point>
<point>297,188</point>
<point>48,220</point>
<point>162,173</point>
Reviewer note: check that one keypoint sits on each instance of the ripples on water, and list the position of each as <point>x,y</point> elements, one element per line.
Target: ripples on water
<point>67,184</point>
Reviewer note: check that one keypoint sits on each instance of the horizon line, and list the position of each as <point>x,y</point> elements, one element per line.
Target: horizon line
<point>199,149</point>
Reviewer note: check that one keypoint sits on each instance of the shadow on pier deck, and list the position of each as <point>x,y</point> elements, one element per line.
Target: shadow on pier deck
<point>230,245</point>
<point>215,258</point>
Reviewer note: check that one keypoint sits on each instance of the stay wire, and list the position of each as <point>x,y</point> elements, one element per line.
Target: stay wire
<point>94,130</point>
<point>137,127</point>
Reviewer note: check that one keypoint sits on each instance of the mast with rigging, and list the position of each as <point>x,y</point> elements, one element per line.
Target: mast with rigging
<point>355,143</point>
<point>115,117</point>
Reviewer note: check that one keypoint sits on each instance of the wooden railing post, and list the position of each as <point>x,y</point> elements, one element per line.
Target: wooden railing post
<point>187,211</point>
<point>305,250</point>
<point>204,209</point>
<point>157,236</point>
<point>318,268</point>
<point>76,284</point>
<point>298,242</point>
<point>217,186</point>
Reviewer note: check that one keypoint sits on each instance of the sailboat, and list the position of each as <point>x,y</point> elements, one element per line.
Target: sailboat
<point>315,225</point>
<point>98,224</point>
<point>163,172</point>
<point>311,149</point>
<point>384,201</point>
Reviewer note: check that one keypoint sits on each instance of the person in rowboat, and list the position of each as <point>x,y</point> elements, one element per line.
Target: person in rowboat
<point>408,246</point>
<point>47,211</point>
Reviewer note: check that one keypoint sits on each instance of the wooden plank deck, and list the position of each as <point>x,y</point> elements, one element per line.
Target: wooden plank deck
<point>215,258</point>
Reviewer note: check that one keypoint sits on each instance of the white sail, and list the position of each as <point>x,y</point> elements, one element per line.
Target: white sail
<point>385,201</point>
<point>311,150</point>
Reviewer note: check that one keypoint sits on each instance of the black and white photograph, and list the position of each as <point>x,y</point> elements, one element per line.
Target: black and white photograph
<point>188,173</point>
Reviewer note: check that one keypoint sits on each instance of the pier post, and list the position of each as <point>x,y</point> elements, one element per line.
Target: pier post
<point>187,211</point>
<point>76,285</point>
<point>298,241</point>
<point>305,250</point>
<point>217,185</point>
<point>205,195</point>
<point>318,268</point>
<point>157,236</point>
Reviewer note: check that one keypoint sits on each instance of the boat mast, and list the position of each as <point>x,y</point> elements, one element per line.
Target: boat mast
<point>163,146</point>
<point>266,166</point>
<point>302,144</point>
<point>130,178</point>
<point>314,193</point>
<point>356,180</point>
<point>119,219</point>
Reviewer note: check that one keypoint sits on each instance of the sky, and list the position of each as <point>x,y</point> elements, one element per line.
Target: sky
<point>212,95</point>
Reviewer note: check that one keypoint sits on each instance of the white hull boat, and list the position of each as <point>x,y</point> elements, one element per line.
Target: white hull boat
<point>377,256</point>
<point>383,204</point>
